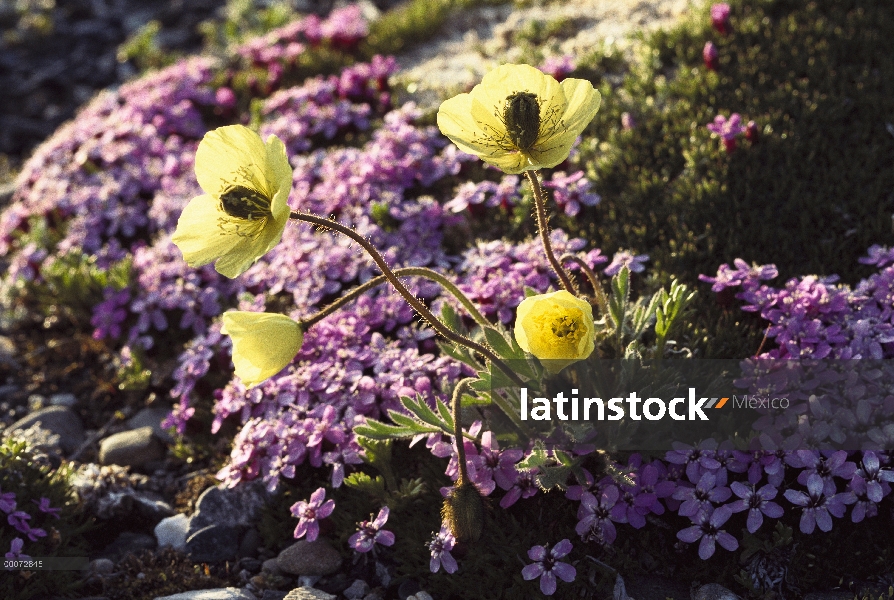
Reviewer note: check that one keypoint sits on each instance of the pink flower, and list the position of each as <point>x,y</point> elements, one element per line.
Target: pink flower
<point>44,506</point>
<point>720,17</point>
<point>440,547</point>
<point>710,54</point>
<point>727,129</point>
<point>548,567</point>
<point>370,533</point>
<point>15,549</point>
<point>310,512</point>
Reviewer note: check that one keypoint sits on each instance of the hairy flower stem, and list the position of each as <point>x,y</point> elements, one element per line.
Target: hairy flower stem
<point>598,291</point>
<point>418,306</point>
<point>378,280</point>
<point>543,226</point>
<point>456,409</point>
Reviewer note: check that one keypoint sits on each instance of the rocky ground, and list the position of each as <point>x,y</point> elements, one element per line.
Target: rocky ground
<point>47,69</point>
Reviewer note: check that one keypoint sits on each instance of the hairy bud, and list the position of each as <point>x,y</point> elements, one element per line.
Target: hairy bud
<point>463,512</point>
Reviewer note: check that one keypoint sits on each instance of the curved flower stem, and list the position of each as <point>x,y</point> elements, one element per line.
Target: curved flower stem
<point>598,292</point>
<point>543,226</point>
<point>418,306</point>
<point>378,280</point>
<point>456,408</point>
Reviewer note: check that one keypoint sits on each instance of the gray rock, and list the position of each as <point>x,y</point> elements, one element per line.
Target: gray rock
<point>151,506</point>
<point>234,506</point>
<point>357,590</point>
<point>273,595</point>
<point>102,566</point>
<point>131,448</point>
<point>59,420</point>
<point>713,591</point>
<point>250,543</point>
<point>126,543</point>
<point>308,593</point>
<point>271,566</point>
<point>213,543</point>
<point>309,558</point>
<point>172,532</point>
<point>229,593</point>
<point>68,400</point>
<point>152,417</point>
<point>252,565</point>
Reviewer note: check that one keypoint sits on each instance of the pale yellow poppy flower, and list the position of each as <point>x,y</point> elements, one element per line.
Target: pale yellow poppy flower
<point>518,118</point>
<point>263,343</point>
<point>243,211</point>
<point>557,328</point>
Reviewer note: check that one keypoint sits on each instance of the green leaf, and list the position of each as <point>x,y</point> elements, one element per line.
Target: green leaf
<point>618,302</point>
<point>501,346</point>
<point>411,423</point>
<point>450,318</point>
<point>422,411</point>
<point>381,431</point>
<point>459,353</point>
<point>536,459</point>
<point>552,477</point>
<point>444,410</point>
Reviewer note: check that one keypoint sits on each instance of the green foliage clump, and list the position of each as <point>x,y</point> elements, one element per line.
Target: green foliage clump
<point>30,477</point>
<point>811,195</point>
<point>143,50</point>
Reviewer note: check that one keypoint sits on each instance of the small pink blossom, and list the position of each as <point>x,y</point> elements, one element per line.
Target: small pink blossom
<point>370,533</point>
<point>720,17</point>
<point>310,513</point>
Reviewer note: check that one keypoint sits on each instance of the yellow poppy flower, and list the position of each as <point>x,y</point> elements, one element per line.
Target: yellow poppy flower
<point>557,328</point>
<point>263,343</point>
<point>243,211</point>
<point>518,118</point>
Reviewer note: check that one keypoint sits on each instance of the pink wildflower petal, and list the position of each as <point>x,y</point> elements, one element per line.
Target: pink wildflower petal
<point>531,571</point>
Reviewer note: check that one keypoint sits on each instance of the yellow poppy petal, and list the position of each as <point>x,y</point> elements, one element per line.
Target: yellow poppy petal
<point>199,235</point>
<point>583,104</point>
<point>457,122</point>
<point>232,155</point>
<point>248,250</point>
<point>278,169</point>
<point>506,80</point>
<point>263,343</point>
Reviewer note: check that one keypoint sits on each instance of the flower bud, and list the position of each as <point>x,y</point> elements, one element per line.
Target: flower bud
<point>557,328</point>
<point>720,17</point>
<point>463,512</point>
<point>710,55</point>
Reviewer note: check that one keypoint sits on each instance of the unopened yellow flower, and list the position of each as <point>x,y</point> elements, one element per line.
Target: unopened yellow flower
<point>557,328</point>
<point>263,343</point>
<point>518,118</point>
<point>243,211</point>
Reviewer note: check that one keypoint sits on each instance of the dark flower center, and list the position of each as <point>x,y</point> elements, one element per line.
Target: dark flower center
<point>564,327</point>
<point>245,203</point>
<point>522,118</point>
